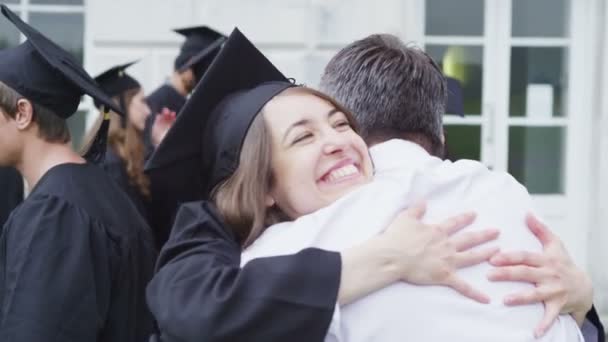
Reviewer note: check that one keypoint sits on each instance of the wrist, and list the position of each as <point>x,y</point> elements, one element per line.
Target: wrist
<point>579,312</point>
<point>587,298</point>
<point>387,259</point>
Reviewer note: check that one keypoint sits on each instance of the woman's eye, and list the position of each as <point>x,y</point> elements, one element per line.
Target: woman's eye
<point>342,124</point>
<point>302,137</point>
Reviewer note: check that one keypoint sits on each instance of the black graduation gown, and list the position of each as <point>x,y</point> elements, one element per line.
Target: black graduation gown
<point>594,319</point>
<point>164,96</point>
<point>75,257</point>
<point>201,294</point>
<point>117,170</point>
<point>159,218</point>
<point>11,192</point>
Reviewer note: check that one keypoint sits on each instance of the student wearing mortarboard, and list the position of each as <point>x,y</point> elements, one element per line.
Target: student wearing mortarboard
<point>200,292</point>
<point>124,159</point>
<point>198,50</point>
<point>11,192</point>
<point>75,255</point>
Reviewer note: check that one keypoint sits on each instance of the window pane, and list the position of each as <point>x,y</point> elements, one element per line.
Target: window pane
<point>530,18</point>
<point>536,158</point>
<point>454,18</point>
<point>464,63</point>
<point>57,2</point>
<point>65,29</point>
<point>9,35</point>
<point>10,1</point>
<point>539,73</point>
<point>463,142</point>
<point>76,125</point>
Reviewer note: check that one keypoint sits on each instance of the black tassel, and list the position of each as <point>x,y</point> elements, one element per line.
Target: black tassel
<point>97,150</point>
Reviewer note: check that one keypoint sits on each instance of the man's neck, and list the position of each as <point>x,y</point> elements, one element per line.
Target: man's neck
<point>176,82</point>
<point>40,156</point>
<point>416,138</point>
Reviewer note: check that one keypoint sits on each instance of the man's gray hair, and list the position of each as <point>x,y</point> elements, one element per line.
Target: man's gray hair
<point>393,90</point>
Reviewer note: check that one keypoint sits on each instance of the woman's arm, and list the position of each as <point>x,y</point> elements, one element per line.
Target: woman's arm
<point>416,253</point>
<point>201,294</point>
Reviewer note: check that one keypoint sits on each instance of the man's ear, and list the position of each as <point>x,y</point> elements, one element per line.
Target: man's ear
<point>25,114</point>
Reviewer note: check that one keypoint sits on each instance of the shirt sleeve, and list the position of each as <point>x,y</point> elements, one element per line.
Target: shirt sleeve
<point>50,279</point>
<point>200,293</point>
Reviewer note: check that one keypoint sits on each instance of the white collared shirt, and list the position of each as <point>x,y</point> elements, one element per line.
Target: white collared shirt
<point>406,173</point>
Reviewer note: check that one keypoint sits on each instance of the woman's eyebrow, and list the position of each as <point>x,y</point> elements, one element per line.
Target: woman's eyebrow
<point>303,122</point>
<point>294,125</point>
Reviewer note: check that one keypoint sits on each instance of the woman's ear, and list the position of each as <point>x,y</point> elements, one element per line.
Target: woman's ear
<point>269,201</point>
<point>25,114</point>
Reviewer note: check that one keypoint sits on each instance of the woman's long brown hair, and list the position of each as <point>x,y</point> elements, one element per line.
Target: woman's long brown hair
<point>128,143</point>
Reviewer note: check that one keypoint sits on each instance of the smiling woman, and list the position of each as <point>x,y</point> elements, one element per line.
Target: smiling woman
<point>317,154</point>
<point>301,153</point>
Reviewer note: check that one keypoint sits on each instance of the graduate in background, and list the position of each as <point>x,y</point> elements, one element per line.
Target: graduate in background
<point>11,192</point>
<point>124,158</point>
<point>76,255</point>
<point>196,54</point>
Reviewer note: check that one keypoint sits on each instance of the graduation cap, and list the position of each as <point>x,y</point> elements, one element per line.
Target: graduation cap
<point>203,146</point>
<point>115,81</point>
<point>49,76</point>
<point>198,50</point>
<point>455,97</point>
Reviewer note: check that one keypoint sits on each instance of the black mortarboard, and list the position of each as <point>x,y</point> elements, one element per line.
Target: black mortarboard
<point>201,45</point>
<point>115,81</point>
<point>45,73</point>
<point>49,76</point>
<point>455,97</point>
<point>202,147</point>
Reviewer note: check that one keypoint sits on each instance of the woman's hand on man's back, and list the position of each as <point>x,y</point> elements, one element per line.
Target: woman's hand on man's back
<point>426,254</point>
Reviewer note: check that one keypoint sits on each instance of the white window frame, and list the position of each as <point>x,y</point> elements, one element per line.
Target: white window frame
<point>570,212</point>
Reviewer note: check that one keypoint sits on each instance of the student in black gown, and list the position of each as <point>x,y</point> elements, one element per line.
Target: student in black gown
<point>200,293</point>
<point>11,192</point>
<point>75,255</point>
<point>198,50</point>
<point>124,158</point>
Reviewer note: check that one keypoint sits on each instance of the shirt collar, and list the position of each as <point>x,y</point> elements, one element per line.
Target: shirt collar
<point>398,153</point>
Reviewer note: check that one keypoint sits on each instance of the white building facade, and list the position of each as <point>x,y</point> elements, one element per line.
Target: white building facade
<point>534,74</point>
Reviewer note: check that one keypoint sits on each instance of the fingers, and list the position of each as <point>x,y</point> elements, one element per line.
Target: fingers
<point>466,290</point>
<point>551,313</point>
<point>518,258</point>
<point>521,273</point>
<point>470,258</point>
<point>546,294</point>
<point>456,223</point>
<point>542,233</point>
<point>465,241</point>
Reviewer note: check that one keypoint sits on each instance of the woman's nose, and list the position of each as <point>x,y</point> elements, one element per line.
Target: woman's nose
<point>334,143</point>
